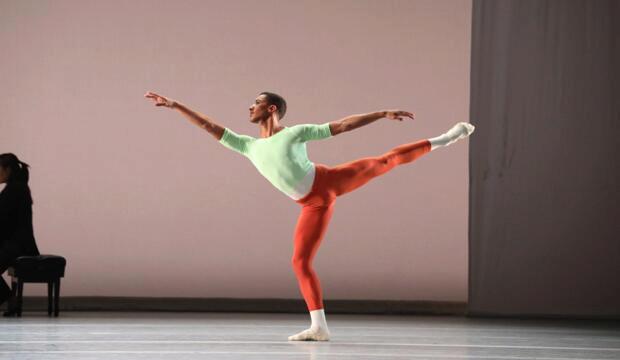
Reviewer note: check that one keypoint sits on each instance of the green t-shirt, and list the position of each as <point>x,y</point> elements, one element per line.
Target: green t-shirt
<point>281,158</point>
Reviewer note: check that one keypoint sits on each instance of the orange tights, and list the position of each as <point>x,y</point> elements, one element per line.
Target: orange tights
<point>318,206</point>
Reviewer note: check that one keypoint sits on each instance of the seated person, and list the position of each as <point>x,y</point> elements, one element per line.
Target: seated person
<point>16,235</point>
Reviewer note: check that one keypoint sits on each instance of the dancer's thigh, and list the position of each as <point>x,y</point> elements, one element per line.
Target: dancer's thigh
<point>352,168</point>
<point>349,176</point>
<point>310,229</point>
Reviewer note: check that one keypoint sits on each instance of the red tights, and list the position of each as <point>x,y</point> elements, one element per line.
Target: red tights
<point>318,206</point>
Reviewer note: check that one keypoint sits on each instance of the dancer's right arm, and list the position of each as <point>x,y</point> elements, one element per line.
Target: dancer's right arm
<point>195,117</point>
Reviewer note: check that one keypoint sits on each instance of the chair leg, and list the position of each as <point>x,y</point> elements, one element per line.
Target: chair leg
<point>56,296</point>
<point>50,286</point>
<point>20,293</point>
<point>12,303</point>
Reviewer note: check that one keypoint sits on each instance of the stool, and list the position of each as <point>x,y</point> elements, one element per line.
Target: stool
<point>37,269</point>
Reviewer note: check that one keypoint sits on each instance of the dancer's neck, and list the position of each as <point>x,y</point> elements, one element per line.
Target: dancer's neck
<point>270,127</point>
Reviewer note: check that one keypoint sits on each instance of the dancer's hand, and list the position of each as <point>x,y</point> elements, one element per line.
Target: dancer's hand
<point>160,100</point>
<point>398,115</point>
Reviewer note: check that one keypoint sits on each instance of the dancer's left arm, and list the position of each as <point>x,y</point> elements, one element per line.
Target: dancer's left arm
<point>355,121</point>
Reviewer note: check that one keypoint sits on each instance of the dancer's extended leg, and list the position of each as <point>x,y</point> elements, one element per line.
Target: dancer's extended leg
<point>350,176</point>
<point>347,177</point>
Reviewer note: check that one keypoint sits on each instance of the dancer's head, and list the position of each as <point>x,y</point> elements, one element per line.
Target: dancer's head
<point>265,105</point>
<point>12,170</point>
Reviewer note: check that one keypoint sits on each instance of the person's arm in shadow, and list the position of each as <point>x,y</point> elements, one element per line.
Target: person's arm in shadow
<point>20,238</point>
<point>195,117</point>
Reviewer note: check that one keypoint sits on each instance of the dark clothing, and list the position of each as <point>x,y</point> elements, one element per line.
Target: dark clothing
<point>16,234</point>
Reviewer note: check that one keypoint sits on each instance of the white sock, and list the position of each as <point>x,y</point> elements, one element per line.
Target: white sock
<point>318,330</point>
<point>459,131</point>
<point>318,319</point>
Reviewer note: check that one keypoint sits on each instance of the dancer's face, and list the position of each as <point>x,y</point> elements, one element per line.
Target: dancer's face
<point>4,174</point>
<point>260,110</point>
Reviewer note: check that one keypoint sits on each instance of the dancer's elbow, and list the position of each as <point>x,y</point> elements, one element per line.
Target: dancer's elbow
<point>214,129</point>
<point>338,127</point>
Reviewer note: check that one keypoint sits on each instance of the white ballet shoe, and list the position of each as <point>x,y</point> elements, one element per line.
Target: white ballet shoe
<point>312,334</point>
<point>457,132</point>
<point>469,128</point>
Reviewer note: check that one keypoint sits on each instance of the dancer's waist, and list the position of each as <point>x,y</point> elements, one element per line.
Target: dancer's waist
<point>304,186</point>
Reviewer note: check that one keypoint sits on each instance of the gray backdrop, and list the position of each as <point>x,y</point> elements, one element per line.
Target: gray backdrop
<point>544,174</point>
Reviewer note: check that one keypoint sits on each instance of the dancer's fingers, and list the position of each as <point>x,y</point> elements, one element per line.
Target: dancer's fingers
<point>400,114</point>
<point>159,100</point>
<point>152,95</point>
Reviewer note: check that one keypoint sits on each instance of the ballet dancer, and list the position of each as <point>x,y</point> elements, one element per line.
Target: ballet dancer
<point>280,156</point>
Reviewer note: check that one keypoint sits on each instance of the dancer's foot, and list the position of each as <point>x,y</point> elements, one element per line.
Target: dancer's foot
<point>459,131</point>
<point>312,334</point>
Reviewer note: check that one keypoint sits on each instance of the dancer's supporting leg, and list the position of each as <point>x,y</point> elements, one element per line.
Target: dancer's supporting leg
<point>310,230</point>
<point>318,209</point>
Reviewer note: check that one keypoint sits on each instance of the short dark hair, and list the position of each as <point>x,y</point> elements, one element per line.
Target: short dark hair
<point>277,100</point>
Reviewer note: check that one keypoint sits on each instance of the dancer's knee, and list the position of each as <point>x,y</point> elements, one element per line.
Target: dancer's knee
<point>386,161</point>
<point>301,265</point>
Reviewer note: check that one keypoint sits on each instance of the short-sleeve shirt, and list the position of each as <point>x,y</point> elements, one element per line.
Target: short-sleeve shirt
<point>281,158</point>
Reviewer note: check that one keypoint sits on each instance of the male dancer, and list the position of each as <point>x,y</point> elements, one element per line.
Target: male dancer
<point>280,156</point>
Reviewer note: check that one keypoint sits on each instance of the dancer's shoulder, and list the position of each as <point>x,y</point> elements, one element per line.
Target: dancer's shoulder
<point>234,141</point>
<point>313,131</point>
